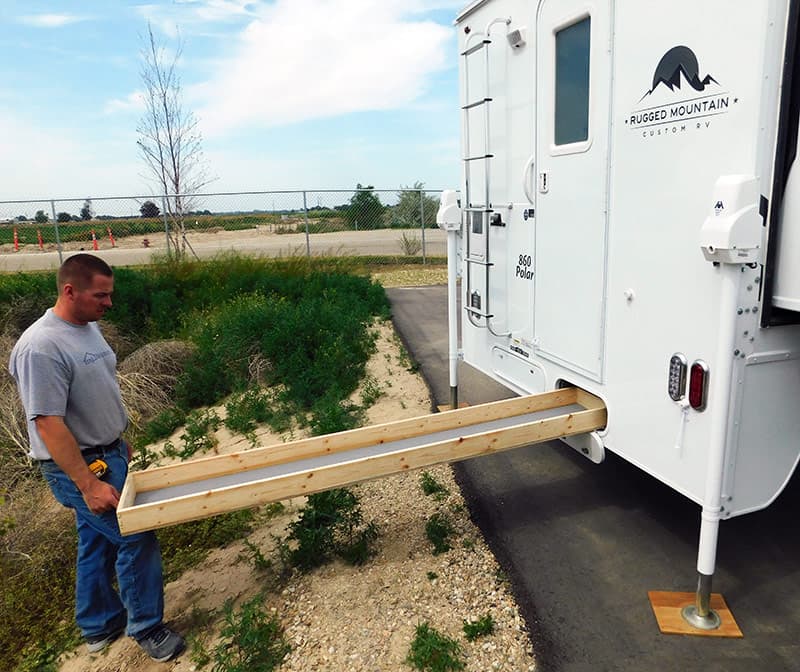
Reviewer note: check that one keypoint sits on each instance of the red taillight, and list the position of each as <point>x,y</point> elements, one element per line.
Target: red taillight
<point>698,385</point>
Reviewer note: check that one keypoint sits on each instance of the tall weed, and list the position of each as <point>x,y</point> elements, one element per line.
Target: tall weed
<point>252,640</point>
<point>330,525</point>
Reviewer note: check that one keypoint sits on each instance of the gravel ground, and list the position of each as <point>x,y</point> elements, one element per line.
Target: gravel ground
<point>364,619</point>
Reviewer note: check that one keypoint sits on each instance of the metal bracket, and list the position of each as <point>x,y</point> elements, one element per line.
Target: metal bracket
<point>589,445</point>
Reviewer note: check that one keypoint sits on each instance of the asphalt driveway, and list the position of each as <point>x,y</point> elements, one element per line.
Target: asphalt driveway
<point>583,543</point>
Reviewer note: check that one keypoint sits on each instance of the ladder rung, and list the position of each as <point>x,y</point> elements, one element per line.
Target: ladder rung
<point>478,209</point>
<point>478,312</point>
<point>483,101</point>
<point>478,158</point>
<point>476,47</point>
<point>479,262</point>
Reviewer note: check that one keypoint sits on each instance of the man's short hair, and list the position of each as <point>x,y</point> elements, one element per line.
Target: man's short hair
<point>79,269</point>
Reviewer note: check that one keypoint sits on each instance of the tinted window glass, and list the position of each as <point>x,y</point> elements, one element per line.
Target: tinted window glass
<point>572,83</point>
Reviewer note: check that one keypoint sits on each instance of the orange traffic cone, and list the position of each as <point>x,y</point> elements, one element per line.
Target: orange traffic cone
<point>39,236</point>
<point>16,240</point>
<point>111,237</point>
<point>94,241</point>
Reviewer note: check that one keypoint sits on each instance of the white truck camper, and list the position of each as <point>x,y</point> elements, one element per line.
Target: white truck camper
<point>629,224</point>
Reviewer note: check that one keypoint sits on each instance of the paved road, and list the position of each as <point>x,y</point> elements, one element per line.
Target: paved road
<point>358,243</point>
<point>583,543</point>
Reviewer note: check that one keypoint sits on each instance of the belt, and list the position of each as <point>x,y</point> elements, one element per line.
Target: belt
<point>97,451</point>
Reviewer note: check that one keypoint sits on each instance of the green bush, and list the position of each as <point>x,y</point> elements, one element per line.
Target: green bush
<point>330,525</point>
<point>23,299</point>
<point>317,347</point>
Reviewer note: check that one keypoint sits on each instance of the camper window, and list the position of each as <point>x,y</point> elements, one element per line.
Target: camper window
<point>572,83</point>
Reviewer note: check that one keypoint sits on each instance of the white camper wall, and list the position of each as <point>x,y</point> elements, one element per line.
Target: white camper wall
<point>685,99</point>
<point>669,149</point>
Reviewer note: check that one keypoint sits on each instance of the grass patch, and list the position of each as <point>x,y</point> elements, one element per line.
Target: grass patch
<point>163,425</point>
<point>37,570</point>
<point>481,628</point>
<point>430,486</point>
<point>257,406</point>
<point>186,545</point>
<point>431,651</point>
<point>439,529</point>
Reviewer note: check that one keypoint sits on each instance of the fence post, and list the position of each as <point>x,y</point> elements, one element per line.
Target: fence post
<point>422,222</point>
<point>166,224</point>
<point>305,211</point>
<point>55,226</point>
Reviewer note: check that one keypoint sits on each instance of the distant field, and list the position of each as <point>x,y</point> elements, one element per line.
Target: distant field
<point>319,221</point>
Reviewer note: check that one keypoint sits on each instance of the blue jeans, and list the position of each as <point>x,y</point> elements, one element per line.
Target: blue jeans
<point>102,552</point>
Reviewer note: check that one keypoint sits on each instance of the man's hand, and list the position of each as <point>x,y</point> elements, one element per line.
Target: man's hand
<point>100,496</point>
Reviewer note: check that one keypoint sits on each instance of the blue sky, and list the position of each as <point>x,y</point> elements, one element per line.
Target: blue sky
<point>290,94</point>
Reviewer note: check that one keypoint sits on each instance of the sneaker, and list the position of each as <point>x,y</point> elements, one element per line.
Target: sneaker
<point>162,644</point>
<point>97,643</point>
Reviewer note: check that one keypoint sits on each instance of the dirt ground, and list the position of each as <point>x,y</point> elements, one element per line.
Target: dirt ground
<point>341,618</point>
<point>258,239</point>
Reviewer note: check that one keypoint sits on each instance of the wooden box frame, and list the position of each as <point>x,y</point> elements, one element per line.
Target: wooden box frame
<point>583,413</point>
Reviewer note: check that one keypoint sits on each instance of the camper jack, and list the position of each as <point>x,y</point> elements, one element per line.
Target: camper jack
<point>643,172</point>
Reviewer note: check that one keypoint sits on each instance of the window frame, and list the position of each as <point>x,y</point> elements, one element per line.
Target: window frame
<point>581,145</point>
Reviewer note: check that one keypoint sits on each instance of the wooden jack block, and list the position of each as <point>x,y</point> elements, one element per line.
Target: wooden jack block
<point>667,609</point>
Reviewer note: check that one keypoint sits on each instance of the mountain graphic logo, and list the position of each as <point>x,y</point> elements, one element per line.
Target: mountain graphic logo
<point>677,65</point>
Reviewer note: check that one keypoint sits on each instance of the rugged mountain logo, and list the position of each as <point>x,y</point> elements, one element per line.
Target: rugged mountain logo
<point>679,97</point>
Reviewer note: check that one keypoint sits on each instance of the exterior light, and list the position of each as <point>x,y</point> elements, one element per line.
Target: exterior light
<point>676,385</point>
<point>698,385</point>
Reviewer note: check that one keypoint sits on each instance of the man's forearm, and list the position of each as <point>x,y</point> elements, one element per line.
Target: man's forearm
<point>66,453</point>
<point>64,450</point>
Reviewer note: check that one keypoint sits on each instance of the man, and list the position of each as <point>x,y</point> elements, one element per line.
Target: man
<point>66,376</point>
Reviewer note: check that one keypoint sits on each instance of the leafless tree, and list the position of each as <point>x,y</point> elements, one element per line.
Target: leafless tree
<point>170,141</point>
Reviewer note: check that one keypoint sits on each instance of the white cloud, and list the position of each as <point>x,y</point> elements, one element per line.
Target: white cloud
<point>192,16</point>
<point>50,20</point>
<point>305,59</point>
<point>219,10</point>
<point>133,102</point>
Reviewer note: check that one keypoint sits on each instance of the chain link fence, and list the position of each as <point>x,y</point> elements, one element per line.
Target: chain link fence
<point>373,224</point>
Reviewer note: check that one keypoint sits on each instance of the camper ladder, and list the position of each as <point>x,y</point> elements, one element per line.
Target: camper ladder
<point>478,214</point>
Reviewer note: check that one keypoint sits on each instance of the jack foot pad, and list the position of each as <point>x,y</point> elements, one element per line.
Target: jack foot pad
<point>693,618</point>
<point>668,608</point>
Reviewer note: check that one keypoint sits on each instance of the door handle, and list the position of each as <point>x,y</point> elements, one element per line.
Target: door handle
<point>526,178</point>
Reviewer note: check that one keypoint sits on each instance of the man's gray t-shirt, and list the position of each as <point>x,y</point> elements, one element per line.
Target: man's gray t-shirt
<point>68,370</point>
